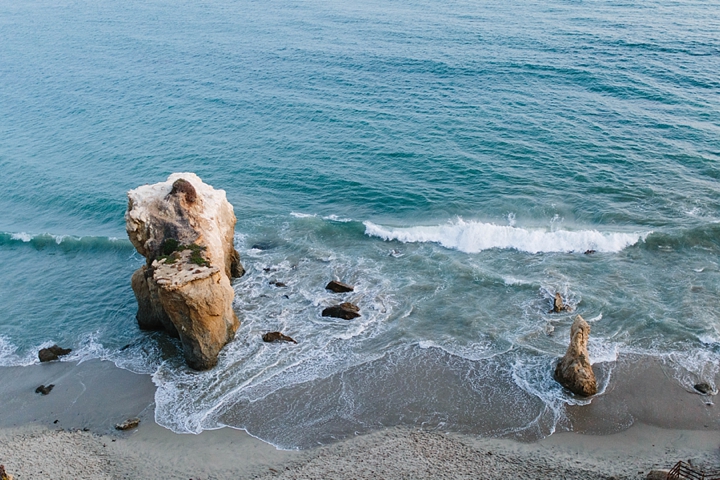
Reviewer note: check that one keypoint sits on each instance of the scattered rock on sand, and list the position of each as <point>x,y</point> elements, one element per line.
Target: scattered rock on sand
<point>339,287</point>
<point>43,389</point>
<point>558,305</point>
<point>128,424</point>
<point>703,388</point>
<point>346,311</point>
<point>574,371</point>
<point>52,353</point>
<point>184,228</point>
<point>276,337</point>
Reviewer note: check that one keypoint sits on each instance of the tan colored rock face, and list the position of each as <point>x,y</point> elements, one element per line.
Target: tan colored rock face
<point>574,371</point>
<point>184,228</point>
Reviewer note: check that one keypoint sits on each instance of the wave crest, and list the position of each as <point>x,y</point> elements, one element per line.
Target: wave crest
<point>474,237</point>
<point>65,242</point>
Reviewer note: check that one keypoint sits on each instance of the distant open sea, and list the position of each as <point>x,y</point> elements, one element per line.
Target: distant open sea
<point>452,160</point>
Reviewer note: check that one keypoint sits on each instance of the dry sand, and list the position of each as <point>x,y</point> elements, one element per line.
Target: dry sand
<point>95,395</point>
<point>38,452</point>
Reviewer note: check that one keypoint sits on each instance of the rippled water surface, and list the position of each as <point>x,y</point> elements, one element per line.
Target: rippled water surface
<point>452,160</point>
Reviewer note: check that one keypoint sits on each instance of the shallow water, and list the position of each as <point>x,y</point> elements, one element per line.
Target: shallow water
<point>453,162</point>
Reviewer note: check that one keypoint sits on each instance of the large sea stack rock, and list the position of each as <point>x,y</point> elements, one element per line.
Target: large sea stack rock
<point>574,371</point>
<point>184,228</point>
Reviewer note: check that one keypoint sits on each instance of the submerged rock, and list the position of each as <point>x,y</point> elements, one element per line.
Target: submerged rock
<point>52,353</point>
<point>184,228</point>
<point>574,371</point>
<point>346,311</point>
<point>703,388</point>
<point>43,389</point>
<point>276,337</point>
<point>128,424</point>
<point>339,287</point>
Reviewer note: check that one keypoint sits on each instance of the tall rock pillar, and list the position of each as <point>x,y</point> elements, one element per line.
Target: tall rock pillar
<point>184,228</point>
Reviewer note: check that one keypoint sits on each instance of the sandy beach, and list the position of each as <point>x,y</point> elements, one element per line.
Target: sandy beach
<point>70,434</point>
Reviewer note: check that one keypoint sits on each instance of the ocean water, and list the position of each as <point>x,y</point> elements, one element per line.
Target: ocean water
<point>452,160</point>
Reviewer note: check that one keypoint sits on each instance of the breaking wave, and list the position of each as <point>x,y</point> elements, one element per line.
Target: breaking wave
<point>474,237</point>
<point>65,242</point>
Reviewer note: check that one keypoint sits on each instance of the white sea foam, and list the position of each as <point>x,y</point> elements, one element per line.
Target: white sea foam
<point>510,280</point>
<point>602,350</point>
<point>695,366</point>
<point>333,218</point>
<point>10,358</point>
<point>708,339</point>
<point>27,237</point>
<point>22,236</point>
<point>479,350</point>
<point>71,240</point>
<point>302,215</point>
<point>474,237</point>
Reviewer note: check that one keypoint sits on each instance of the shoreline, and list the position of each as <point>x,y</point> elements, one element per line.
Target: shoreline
<point>665,424</point>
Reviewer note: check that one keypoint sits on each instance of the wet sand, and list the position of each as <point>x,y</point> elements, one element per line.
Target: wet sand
<point>645,420</point>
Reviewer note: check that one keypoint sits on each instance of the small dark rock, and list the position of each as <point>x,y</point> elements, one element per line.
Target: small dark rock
<point>125,347</point>
<point>276,337</point>
<point>44,390</point>
<point>85,429</point>
<point>46,355</point>
<point>278,284</point>
<point>128,424</point>
<point>589,252</point>
<point>346,311</point>
<point>183,186</point>
<point>52,353</point>
<point>703,388</point>
<point>263,246</point>
<point>55,421</point>
<point>339,287</point>
<point>286,296</point>
<point>266,269</point>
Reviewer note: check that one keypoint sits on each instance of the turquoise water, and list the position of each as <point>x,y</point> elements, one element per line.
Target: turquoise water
<point>452,160</point>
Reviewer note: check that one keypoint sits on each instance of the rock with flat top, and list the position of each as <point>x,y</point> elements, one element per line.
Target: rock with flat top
<point>339,287</point>
<point>184,228</point>
<point>52,353</point>
<point>574,371</point>
<point>128,424</point>
<point>346,311</point>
